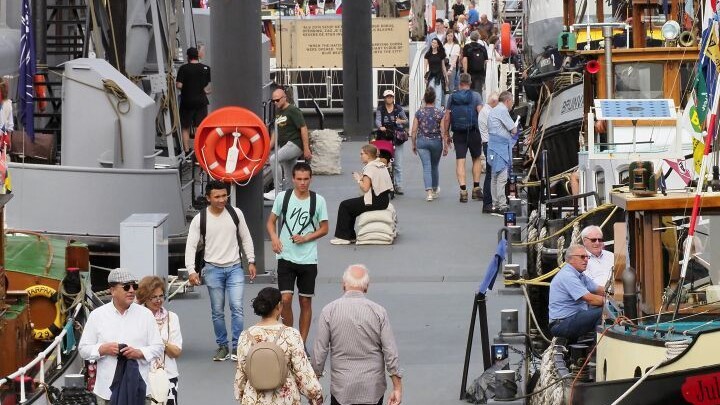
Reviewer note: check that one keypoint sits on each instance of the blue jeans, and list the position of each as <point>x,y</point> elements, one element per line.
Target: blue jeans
<point>430,151</point>
<point>221,280</point>
<point>439,94</point>
<point>577,325</point>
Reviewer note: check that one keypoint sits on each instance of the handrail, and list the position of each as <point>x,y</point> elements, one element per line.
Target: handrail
<point>40,358</point>
<point>417,82</point>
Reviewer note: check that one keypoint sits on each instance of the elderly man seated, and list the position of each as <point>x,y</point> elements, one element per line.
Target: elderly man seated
<point>575,301</point>
<point>601,262</point>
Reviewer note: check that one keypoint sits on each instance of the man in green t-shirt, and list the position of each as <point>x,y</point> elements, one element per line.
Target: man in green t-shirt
<point>292,141</point>
<point>295,244</point>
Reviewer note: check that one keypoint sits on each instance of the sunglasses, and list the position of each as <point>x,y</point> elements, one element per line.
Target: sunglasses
<point>583,257</point>
<point>595,240</point>
<point>127,286</point>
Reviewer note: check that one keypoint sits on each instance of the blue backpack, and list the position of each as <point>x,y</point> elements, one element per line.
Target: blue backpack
<point>463,114</point>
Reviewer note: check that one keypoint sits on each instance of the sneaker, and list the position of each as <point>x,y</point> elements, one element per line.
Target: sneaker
<point>436,193</point>
<point>233,355</point>
<point>270,195</point>
<point>338,241</point>
<point>463,196</point>
<point>430,195</point>
<point>477,193</point>
<point>221,354</point>
<point>399,190</point>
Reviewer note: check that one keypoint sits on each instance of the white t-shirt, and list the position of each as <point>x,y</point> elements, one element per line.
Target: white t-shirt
<point>600,268</point>
<point>452,51</point>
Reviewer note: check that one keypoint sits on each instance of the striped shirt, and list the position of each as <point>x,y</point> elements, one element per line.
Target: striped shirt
<point>358,335</point>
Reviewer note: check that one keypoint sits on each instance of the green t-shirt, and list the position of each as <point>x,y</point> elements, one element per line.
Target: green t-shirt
<point>289,121</point>
<point>298,212</point>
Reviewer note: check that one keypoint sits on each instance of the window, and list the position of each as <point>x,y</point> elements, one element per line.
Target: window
<point>639,80</point>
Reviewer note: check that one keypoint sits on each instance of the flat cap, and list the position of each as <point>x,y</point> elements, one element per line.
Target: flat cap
<point>121,276</point>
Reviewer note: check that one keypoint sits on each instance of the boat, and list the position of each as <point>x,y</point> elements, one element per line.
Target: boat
<point>44,302</point>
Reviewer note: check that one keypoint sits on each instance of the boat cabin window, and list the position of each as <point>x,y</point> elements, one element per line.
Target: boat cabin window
<point>687,77</point>
<point>639,80</point>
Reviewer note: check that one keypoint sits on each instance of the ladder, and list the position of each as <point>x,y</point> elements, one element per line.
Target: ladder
<point>64,39</point>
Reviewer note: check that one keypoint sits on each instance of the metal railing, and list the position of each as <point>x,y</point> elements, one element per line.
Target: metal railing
<point>324,86</point>
<point>41,357</point>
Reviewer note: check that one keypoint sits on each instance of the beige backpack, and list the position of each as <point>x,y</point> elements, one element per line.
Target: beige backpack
<point>266,365</point>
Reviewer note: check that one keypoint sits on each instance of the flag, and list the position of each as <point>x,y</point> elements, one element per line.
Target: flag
<point>698,152</point>
<point>27,71</point>
<point>678,165</point>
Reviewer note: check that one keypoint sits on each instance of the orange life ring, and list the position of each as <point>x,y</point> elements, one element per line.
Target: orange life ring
<point>505,39</point>
<point>41,92</point>
<point>214,138</point>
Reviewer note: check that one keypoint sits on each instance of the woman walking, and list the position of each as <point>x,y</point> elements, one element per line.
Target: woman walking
<point>151,293</point>
<point>452,50</point>
<point>429,141</point>
<point>436,73</point>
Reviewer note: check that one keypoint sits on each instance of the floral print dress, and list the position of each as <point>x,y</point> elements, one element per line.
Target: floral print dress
<point>301,377</point>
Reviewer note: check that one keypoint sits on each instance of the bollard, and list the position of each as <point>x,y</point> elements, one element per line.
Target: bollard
<point>505,387</point>
<point>511,271</point>
<point>75,381</point>
<point>515,206</point>
<point>509,321</point>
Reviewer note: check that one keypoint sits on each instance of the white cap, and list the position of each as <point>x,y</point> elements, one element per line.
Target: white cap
<point>388,93</point>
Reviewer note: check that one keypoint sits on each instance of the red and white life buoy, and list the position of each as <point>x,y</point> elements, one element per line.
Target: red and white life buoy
<point>41,92</point>
<point>214,138</point>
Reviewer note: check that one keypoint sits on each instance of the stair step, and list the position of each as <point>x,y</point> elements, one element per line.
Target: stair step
<point>64,53</point>
<point>66,6</point>
<point>77,21</point>
<point>65,37</point>
<point>44,115</point>
<point>48,98</point>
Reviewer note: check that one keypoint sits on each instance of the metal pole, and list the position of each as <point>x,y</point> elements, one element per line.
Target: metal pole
<point>357,69</point>
<point>236,22</point>
<point>609,76</point>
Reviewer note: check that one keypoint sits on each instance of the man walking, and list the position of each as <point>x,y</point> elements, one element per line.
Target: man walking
<point>570,294</point>
<point>357,333</point>
<point>492,102</point>
<point>462,117</point>
<point>223,231</point>
<point>121,329</point>
<point>475,56</point>
<point>193,80</point>
<point>503,135</point>
<point>292,141</point>
<point>303,220</point>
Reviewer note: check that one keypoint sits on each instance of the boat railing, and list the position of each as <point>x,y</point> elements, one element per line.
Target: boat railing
<point>324,86</point>
<point>42,357</point>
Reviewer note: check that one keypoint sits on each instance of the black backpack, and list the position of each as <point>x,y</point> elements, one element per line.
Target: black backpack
<point>476,57</point>
<point>283,212</point>
<point>200,252</point>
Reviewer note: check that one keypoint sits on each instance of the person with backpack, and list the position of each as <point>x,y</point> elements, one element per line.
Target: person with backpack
<point>356,333</point>
<point>222,230</point>
<point>273,368</point>
<point>303,219</point>
<point>475,55</point>
<point>461,116</point>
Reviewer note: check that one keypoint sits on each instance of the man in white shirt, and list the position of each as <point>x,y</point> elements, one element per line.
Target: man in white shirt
<point>483,128</point>
<point>601,262</point>
<point>120,328</point>
<point>222,273</point>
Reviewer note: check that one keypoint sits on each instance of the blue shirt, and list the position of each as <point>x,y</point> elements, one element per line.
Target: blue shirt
<point>473,16</point>
<point>566,291</point>
<point>500,140</point>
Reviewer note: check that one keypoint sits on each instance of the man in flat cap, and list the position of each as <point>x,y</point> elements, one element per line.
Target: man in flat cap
<point>121,332</point>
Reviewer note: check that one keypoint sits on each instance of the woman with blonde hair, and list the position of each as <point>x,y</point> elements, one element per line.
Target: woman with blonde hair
<point>375,183</point>
<point>151,294</point>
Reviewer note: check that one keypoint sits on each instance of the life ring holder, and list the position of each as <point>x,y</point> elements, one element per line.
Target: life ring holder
<point>215,136</point>
<point>56,327</point>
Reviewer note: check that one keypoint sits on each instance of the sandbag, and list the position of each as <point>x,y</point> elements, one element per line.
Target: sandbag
<point>375,238</point>
<point>325,147</point>
<point>387,216</point>
<point>379,227</point>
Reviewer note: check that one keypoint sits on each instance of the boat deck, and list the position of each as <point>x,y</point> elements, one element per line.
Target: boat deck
<point>426,280</point>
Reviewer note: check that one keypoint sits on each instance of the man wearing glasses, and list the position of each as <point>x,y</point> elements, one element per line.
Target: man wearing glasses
<point>121,329</point>
<point>292,141</point>
<point>601,263</point>
<point>575,300</point>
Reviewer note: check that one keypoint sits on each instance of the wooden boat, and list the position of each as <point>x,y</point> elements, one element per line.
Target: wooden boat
<point>42,309</point>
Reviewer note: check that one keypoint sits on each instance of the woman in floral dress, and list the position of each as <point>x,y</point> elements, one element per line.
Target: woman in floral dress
<point>301,378</point>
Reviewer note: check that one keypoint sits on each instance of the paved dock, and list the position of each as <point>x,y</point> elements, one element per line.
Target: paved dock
<point>426,280</point>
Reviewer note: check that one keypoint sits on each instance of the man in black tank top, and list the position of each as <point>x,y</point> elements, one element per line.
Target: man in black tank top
<point>193,80</point>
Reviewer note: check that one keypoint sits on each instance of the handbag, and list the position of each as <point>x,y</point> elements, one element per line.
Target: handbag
<point>158,379</point>
<point>401,136</point>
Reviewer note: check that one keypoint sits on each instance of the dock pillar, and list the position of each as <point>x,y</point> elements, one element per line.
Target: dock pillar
<point>357,70</point>
<point>237,81</point>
